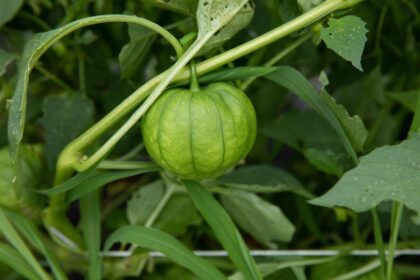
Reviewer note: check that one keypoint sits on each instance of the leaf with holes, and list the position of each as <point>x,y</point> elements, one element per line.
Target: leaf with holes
<point>214,14</point>
<point>347,37</point>
<point>387,173</point>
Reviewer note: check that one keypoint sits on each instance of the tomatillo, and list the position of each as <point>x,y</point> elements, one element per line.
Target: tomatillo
<point>198,134</point>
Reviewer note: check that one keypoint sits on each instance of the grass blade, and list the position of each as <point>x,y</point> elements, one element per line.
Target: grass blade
<point>11,258</point>
<point>224,229</point>
<point>174,250</point>
<point>32,235</point>
<point>13,237</point>
<point>91,226</point>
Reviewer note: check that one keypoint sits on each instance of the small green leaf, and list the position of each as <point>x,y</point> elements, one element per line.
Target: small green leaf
<point>134,52</point>
<point>8,10</point>
<point>325,160</point>
<point>172,222</point>
<point>174,250</point>
<point>144,201</point>
<point>224,229</point>
<point>5,59</point>
<point>353,126</point>
<point>347,37</point>
<point>263,179</point>
<point>61,123</point>
<point>387,173</point>
<point>261,219</point>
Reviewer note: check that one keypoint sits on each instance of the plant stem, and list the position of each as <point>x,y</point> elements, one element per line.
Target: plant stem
<point>194,86</point>
<point>379,241</point>
<point>397,211</point>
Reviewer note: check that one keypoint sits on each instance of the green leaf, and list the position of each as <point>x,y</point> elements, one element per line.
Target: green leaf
<point>294,81</point>
<point>353,126</point>
<point>263,179</point>
<point>134,52</point>
<point>387,173</point>
<point>309,133</point>
<point>8,10</point>
<point>325,160</point>
<point>62,124</point>
<point>144,201</point>
<point>347,37</point>
<point>258,217</point>
<point>101,179</point>
<point>174,250</point>
<point>92,179</point>
<point>90,209</point>
<point>171,221</point>
<point>224,229</point>
<point>5,59</point>
<point>12,258</point>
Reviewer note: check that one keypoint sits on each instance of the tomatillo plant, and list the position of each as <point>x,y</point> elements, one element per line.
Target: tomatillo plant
<point>192,137</point>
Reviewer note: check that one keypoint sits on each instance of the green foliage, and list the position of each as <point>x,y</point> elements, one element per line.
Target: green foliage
<point>259,218</point>
<point>262,179</point>
<point>167,245</point>
<point>170,219</point>
<point>143,201</point>
<point>347,37</point>
<point>387,173</point>
<point>67,93</point>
